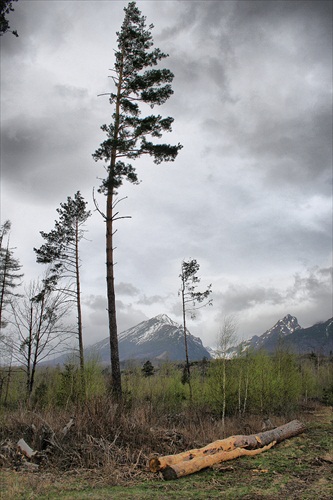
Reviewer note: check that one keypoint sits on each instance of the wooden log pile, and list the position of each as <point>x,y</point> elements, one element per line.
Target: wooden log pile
<point>188,462</point>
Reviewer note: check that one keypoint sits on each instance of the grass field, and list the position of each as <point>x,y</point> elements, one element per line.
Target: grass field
<point>299,468</point>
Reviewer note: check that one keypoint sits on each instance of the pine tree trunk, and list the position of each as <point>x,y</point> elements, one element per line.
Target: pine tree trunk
<point>78,305</point>
<point>114,349</point>
<point>188,369</point>
<point>3,284</point>
<point>115,363</point>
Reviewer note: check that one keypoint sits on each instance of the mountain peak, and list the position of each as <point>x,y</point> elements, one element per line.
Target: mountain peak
<point>289,322</point>
<point>164,318</point>
<point>158,337</point>
<point>318,337</point>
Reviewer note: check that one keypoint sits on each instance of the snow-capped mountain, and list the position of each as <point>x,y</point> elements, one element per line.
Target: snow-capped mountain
<point>158,338</point>
<point>271,337</point>
<point>288,334</point>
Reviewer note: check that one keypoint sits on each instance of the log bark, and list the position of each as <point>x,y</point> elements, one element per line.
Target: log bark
<point>185,468</point>
<point>226,449</point>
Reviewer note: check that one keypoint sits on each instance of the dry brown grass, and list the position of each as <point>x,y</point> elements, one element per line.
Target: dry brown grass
<point>110,436</point>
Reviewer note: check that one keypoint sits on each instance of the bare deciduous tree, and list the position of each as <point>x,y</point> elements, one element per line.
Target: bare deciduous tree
<point>227,337</point>
<point>37,329</point>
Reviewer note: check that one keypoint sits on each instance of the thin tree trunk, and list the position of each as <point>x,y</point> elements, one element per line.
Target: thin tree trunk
<point>3,284</point>
<point>246,391</point>
<point>78,305</point>
<point>29,354</point>
<point>9,376</point>
<point>224,392</point>
<point>37,336</point>
<point>188,369</point>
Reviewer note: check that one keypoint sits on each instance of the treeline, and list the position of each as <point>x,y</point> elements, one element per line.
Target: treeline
<point>253,384</point>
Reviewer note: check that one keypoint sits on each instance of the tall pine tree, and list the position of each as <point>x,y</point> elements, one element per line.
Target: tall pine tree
<point>130,136</point>
<point>61,251</point>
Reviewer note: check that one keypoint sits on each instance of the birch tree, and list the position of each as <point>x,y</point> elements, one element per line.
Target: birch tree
<point>227,337</point>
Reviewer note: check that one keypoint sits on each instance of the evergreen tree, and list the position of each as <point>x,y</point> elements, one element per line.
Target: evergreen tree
<point>61,251</point>
<point>6,6</point>
<point>9,272</point>
<point>190,300</point>
<point>131,136</point>
<point>148,369</point>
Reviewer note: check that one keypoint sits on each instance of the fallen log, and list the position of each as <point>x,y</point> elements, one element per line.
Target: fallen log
<point>185,468</point>
<point>221,450</point>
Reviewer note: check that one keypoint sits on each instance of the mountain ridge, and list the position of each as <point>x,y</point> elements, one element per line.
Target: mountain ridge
<point>288,334</point>
<point>162,339</point>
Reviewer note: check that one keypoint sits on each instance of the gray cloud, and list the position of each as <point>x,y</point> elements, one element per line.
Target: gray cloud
<point>154,299</point>
<point>249,195</point>
<point>311,289</point>
<point>127,289</point>
<point>238,298</point>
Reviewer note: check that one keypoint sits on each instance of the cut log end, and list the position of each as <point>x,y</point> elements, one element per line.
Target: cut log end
<point>154,464</point>
<point>169,473</point>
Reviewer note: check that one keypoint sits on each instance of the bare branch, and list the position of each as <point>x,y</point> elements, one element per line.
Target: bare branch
<point>97,207</point>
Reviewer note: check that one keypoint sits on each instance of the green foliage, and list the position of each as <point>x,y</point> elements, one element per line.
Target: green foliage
<point>148,369</point>
<point>185,376</point>
<point>61,252</point>
<point>189,283</point>
<point>6,6</point>
<point>257,384</point>
<point>69,390</point>
<point>136,81</point>
<point>10,276</point>
<point>60,247</point>
<point>327,397</point>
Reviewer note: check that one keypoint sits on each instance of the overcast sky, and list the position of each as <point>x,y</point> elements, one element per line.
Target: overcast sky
<point>250,194</point>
